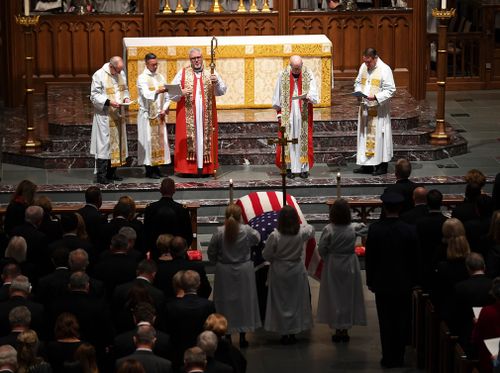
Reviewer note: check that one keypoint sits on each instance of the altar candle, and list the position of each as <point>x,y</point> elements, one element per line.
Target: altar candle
<point>230,191</point>
<point>338,185</point>
<point>443,4</point>
<point>26,8</point>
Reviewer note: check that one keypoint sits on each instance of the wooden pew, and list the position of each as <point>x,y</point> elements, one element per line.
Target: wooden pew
<point>419,301</point>
<point>431,338</point>
<point>447,344</point>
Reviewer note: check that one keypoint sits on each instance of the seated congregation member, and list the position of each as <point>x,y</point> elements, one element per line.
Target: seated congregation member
<point>50,225</point>
<point>144,314</point>
<point>28,357</point>
<point>403,184</point>
<point>391,273</point>
<point>167,269</point>
<point>341,302</point>
<point>235,293</point>
<point>419,208</point>
<point>185,316</point>
<point>195,360</point>
<point>23,197</point>
<point>288,309</point>
<point>19,295</point>
<point>471,292</point>
<point>91,312</point>
<point>225,351</point>
<point>55,284</point>
<point>115,266</point>
<point>70,239</point>
<point>9,272</point>
<point>145,339</point>
<point>486,327</point>
<point>93,218</point>
<point>166,216</point>
<point>19,320</point>
<point>492,246</point>
<point>8,359</point>
<point>66,341</point>
<point>207,341</point>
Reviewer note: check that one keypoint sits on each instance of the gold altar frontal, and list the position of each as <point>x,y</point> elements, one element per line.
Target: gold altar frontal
<point>249,65</point>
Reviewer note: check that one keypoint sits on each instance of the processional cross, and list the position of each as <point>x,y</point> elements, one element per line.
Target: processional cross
<point>213,47</point>
<point>282,141</point>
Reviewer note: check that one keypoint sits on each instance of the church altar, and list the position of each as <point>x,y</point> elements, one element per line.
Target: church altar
<point>249,65</point>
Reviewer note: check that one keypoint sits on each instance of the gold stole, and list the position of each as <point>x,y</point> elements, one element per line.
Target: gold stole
<point>117,136</point>
<point>286,106</point>
<point>372,119</point>
<point>191,124</point>
<point>157,126</point>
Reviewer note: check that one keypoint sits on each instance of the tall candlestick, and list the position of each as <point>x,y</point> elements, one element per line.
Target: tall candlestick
<point>26,8</point>
<point>338,185</point>
<point>230,191</point>
<point>443,4</point>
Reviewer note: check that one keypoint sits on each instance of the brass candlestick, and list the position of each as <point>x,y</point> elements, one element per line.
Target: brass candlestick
<point>241,7</point>
<point>32,145</point>
<point>265,7</point>
<point>253,7</point>
<point>216,7</point>
<point>439,136</point>
<point>192,8</point>
<point>166,8</point>
<point>179,8</point>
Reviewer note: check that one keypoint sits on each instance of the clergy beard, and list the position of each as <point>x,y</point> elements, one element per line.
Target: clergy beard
<point>198,70</point>
<point>296,76</point>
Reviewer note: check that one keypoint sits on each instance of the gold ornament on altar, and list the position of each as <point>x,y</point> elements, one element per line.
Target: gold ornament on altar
<point>265,7</point>
<point>216,7</point>
<point>166,8</point>
<point>179,8</point>
<point>253,7</point>
<point>241,7</point>
<point>192,8</point>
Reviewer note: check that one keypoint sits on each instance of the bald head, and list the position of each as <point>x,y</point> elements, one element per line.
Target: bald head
<point>115,65</point>
<point>420,196</point>
<point>296,64</point>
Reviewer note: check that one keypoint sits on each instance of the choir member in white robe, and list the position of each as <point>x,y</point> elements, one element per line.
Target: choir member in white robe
<point>376,82</point>
<point>108,142</point>
<point>235,292</point>
<point>196,137</point>
<point>341,302</point>
<point>288,309</point>
<point>152,149</point>
<point>297,115</point>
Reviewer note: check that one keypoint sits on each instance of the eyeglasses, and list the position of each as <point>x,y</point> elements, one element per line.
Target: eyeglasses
<point>195,58</point>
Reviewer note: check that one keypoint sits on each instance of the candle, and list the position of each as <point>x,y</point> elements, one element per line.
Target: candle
<point>338,185</point>
<point>443,4</point>
<point>26,8</point>
<point>230,191</point>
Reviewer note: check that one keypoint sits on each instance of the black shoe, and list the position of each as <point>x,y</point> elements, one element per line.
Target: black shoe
<point>304,175</point>
<point>363,170</point>
<point>152,176</point>
<point>243,343</point>
<point>285,340</point>
<point>379,171</point>
<point>115,178</point>
<point>291,339</point>
<point>103,180</point>
<point>336,338</point>
<point>290,175</point>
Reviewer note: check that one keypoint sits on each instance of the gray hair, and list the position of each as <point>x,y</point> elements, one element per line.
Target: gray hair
<point>195,357</point>
<point>128,232</point>
<point>8,355</point>
<point>78,281</point>
<point>474,262</point>
<point>145,334</point>
<point>16,249</point>
<point>20,283</point>
<point>115,60</point>
<point>190,281</point>
<point>207,341</point>
<point>192,50</point>
<point>33,215</point>
<point>119,242</point>
<point>78,260</point>
<point>20,315</point>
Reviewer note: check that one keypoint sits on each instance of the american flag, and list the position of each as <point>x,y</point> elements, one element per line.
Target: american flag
<point>260,210</point>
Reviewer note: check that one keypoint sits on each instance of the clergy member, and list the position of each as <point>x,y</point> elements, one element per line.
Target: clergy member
<point>297,115</point>
<point>196,129</point>
<point>153,149</point>
<point>376,82</point>
<point>109,133</point>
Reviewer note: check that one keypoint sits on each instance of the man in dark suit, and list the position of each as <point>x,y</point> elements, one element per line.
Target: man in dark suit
<point>146,272</point>
<point>166,216</point>
<point>420,206</point>
<point>144,314</point>
<point>207,341</point>
<point>167,270</point>
<point>403,185</point>
<point>391,273</point>
<point>78,260</point>
<point>121,214</point>
<point>20,290</point>
<point>19,320</point>
<point>116,266</point>
<point>185,316</point>
<point>145,338</point>
<point>195,360</point>
<point>70,240</point>
<point>55,284</point>
<point>94,219</point>
<point>9,272</point>
<point>8,359</point>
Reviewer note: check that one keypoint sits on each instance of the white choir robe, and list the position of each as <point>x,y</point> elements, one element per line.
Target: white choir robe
<point>146,97</point>
<point>383,137</point>
<point>100,137</point>
<point>295,122</point>
<point>220,89</point>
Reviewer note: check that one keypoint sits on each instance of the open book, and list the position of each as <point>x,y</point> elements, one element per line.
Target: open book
<point>359,94</point>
